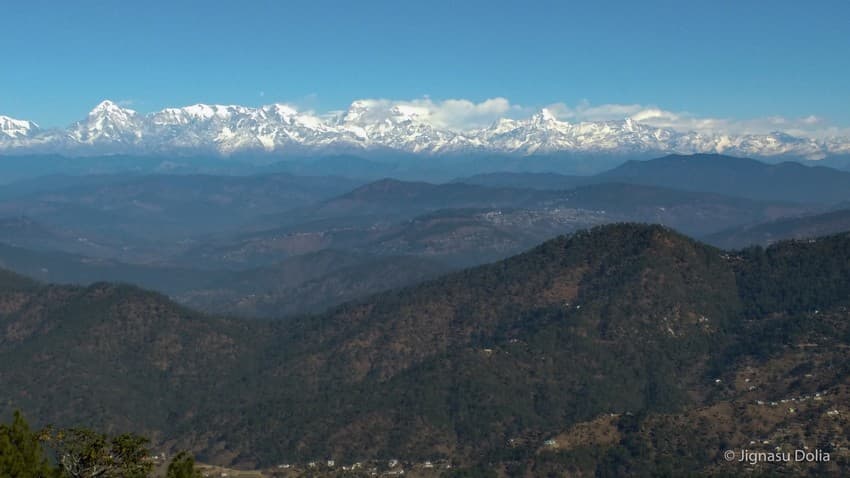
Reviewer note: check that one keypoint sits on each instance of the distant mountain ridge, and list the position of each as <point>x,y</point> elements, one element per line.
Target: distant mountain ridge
<point>766,233</point>
<point>720,174</point>
<point>693,212</point>
<point>367,126</point>
<point>738,177</point>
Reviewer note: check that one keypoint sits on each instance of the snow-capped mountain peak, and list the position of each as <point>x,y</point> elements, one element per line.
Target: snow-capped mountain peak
<point>357,112</point>
<point>109,107</point>
<point>107,122</point>
<point>14,128</point>
<point>377,125</point>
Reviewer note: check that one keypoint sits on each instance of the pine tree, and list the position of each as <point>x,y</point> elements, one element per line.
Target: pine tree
<point>21,454</point>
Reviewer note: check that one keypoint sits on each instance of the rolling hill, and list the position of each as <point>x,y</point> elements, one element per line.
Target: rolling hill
<point>811,182</point>
<point>766,233</point>
<point>389,200</point>
<point>628,328</point>
<point>528,180</point>
<point>310,282</point>
<point>470,224</point>
<point>748,178</point>
<point>153,212</point>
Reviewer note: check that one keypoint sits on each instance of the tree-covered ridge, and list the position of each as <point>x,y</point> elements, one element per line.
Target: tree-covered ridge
<point>72,353</point>
<point>479,366</point>
<point>786,391</point>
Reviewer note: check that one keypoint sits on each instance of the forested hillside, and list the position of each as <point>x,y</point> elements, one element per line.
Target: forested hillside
<point>667,343</point>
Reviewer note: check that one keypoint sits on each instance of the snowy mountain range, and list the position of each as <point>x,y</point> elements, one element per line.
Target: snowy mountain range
<point>368,126</point>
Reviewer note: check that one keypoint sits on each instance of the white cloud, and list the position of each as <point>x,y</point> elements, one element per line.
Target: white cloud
<point>454,114</point>
<point>465,114</point>
<point>586,112</point>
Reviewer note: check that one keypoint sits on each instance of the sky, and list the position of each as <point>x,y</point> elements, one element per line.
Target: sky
<point>738,62</point>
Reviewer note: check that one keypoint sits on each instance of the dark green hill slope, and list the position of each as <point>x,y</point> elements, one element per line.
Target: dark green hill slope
<point>115,356</point>
<point>481,365</point>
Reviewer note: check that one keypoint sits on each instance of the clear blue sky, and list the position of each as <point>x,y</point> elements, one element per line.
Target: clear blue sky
<point>714,58</point>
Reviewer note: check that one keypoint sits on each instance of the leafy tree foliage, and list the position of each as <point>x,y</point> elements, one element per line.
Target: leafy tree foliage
<point>84,453</point>
<point>183,466</point>
<point>21,453</point>
<point>80,453</point>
